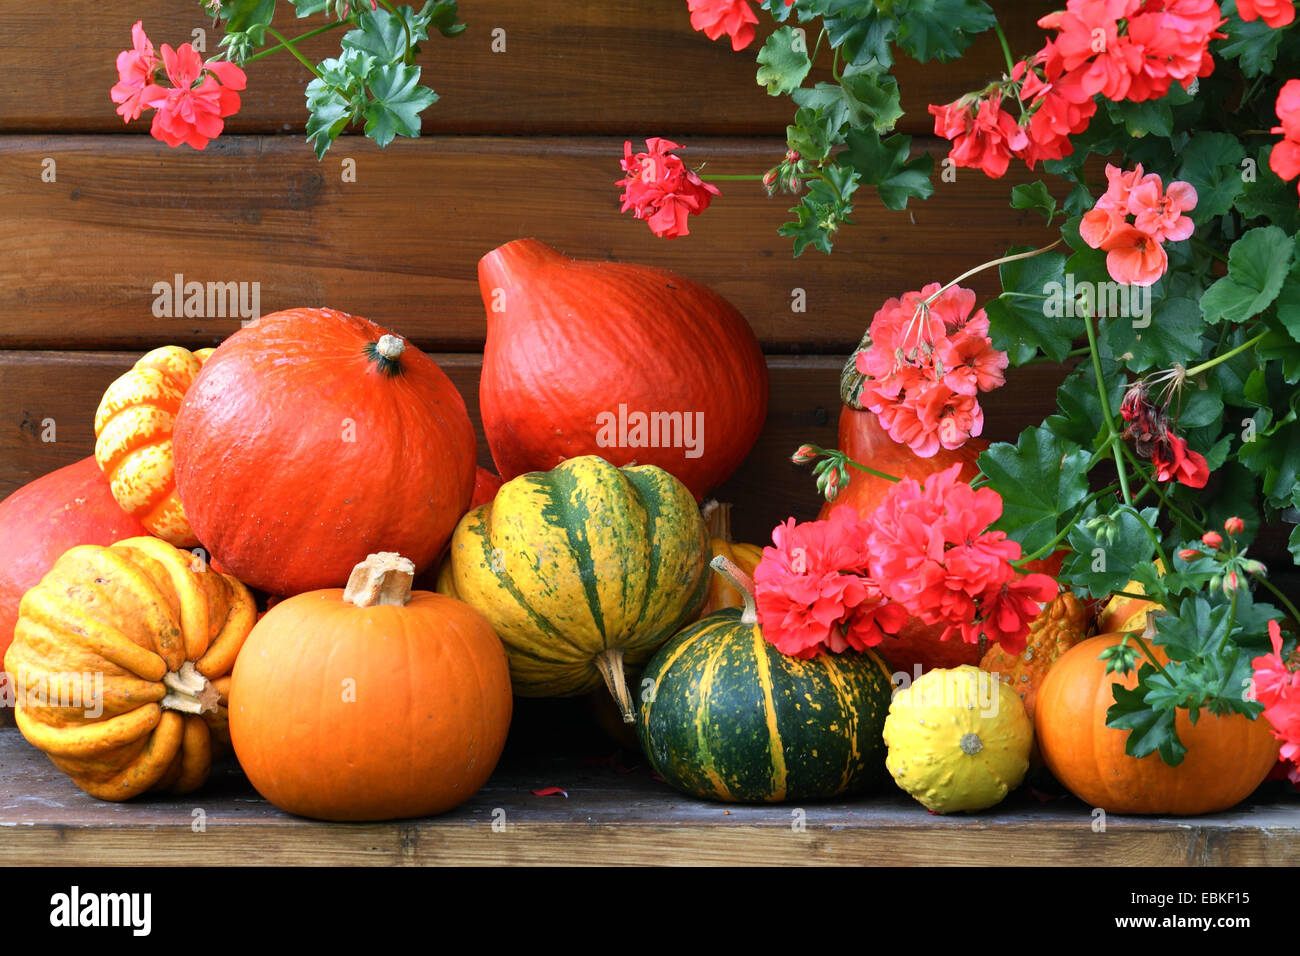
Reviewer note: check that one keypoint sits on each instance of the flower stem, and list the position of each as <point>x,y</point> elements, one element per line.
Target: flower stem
<point>1006,47</point>
<point>730,177</point>
<point>1105,409</point>
<point>289,45</point>
<point>1060,535</point>
<point>871,471</point>
<point>298,39</point>
<point>1209,364</point>
<point>988,265</point>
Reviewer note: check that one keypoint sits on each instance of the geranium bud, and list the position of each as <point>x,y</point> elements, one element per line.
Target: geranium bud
<point>1189,554</point>
<point>1212,539</point>
<point>803,454</point>
<point>1230,582</point>
<point>769,179</point>
<point>1216,582</point>
<point>791,156</point>
<point>1251,566</point>
<point>830,484</point>
<point>1234,526</point>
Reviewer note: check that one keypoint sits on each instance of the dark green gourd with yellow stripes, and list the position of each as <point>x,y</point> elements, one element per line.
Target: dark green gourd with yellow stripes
<point>724,715</point>
<point>582,570</point>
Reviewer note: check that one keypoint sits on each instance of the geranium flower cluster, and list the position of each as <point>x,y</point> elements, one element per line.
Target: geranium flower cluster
<point>927,362</point>
<point>1153,437</point>
<point>926,552</point>
<point>1277,687</point>
<point>1120,49</point>
<point>1285,157</point>
<point>193,109</point>
<point>661,190</point>
<point>1135,253</point>
<point>734,18</point>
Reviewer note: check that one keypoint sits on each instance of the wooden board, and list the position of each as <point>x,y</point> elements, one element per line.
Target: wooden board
<point>609,817</point>
<point>62,390</point>
<point>80,257</point>
<point>617,67</point>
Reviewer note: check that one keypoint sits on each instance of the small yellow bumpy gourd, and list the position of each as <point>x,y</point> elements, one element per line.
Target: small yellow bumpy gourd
<point>958,739</point>
<point>133,439</point>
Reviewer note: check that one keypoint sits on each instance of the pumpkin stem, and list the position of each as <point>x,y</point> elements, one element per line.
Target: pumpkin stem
<point>971,744</point>
<point>189,691</point>
<point>386,352</point>
<point>717,519</point>
<point>383,578</point>
<point>742,582</point>
<point>610,664</point>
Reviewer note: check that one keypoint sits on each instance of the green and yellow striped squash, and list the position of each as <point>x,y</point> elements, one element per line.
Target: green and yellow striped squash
<point>724,715</point>
<point>582,570</point>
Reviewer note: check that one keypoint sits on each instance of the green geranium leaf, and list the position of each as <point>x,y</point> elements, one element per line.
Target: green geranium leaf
<point>397,100</point>
<point>1153,117</point>
<point>1258,264</point>
<point>888,165</point>
<point>1288,302</point>
<point>383,35</point>
<point>443,16</point>
<point>1033,312</point>
<point>940,29</point>
<point>1254,45</point>
<point>1150,730</point>
<point>1172,335</point>
<point>1034,196</point>
<point>783,62</point>
<point>811,136</point>
<point>1212,164</point>
<point>1040,478</point>
<point>824,207</point>
<point>1105,550</point>
<point>309,8</point>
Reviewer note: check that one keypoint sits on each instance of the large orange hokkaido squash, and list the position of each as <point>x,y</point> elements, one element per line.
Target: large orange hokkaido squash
<point>864,441</point>
<point>42,519</point>
<point>1227,757</point>
<point>634,364</point>
<point>312,438</point>
<point>370,703</point>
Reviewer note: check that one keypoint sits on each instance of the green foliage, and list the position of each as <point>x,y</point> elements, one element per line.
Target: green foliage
<point>373,81</point>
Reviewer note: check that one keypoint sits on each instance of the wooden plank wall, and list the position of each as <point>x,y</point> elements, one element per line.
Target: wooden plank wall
<point>523,142</point>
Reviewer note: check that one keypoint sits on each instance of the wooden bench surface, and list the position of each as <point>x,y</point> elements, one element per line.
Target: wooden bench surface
<point>612,814</point>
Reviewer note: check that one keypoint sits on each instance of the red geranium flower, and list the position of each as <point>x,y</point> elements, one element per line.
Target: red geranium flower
<point>813,592</point>
<point>1173,460</point>
<point>1277,687</point>
<point>735,18</point>
<point>202,94</point>
<point>661,190</point>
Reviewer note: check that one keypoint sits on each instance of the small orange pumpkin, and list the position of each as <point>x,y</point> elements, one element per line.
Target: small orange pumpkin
<point>371,702</point>
<point>1227,757</point>
<point>133,439</point>
<point>120,660</point>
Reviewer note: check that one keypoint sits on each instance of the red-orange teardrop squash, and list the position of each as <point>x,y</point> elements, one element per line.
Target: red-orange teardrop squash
<point>1227,757</point>
<point>312,438</point>
<point>577,350</point>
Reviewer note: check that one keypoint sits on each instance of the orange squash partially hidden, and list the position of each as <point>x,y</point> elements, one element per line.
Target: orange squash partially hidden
<point>1227,757</point>
<point>1060,626</point>
<point>120,661</point>
<point>371,702</point>
<point>717,519</point>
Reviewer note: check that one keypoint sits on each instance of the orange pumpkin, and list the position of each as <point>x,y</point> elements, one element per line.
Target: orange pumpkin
<point>1062,624</point>
<point>370,702</point>
<point>717,519</point>
<point>133,439</point>
<point>121,657</point>
<point>1227,757</point>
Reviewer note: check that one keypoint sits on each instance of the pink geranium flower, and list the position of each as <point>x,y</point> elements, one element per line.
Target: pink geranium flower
<point>715,18</point>
<point>1276,13</point>
<point>135,69</point>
